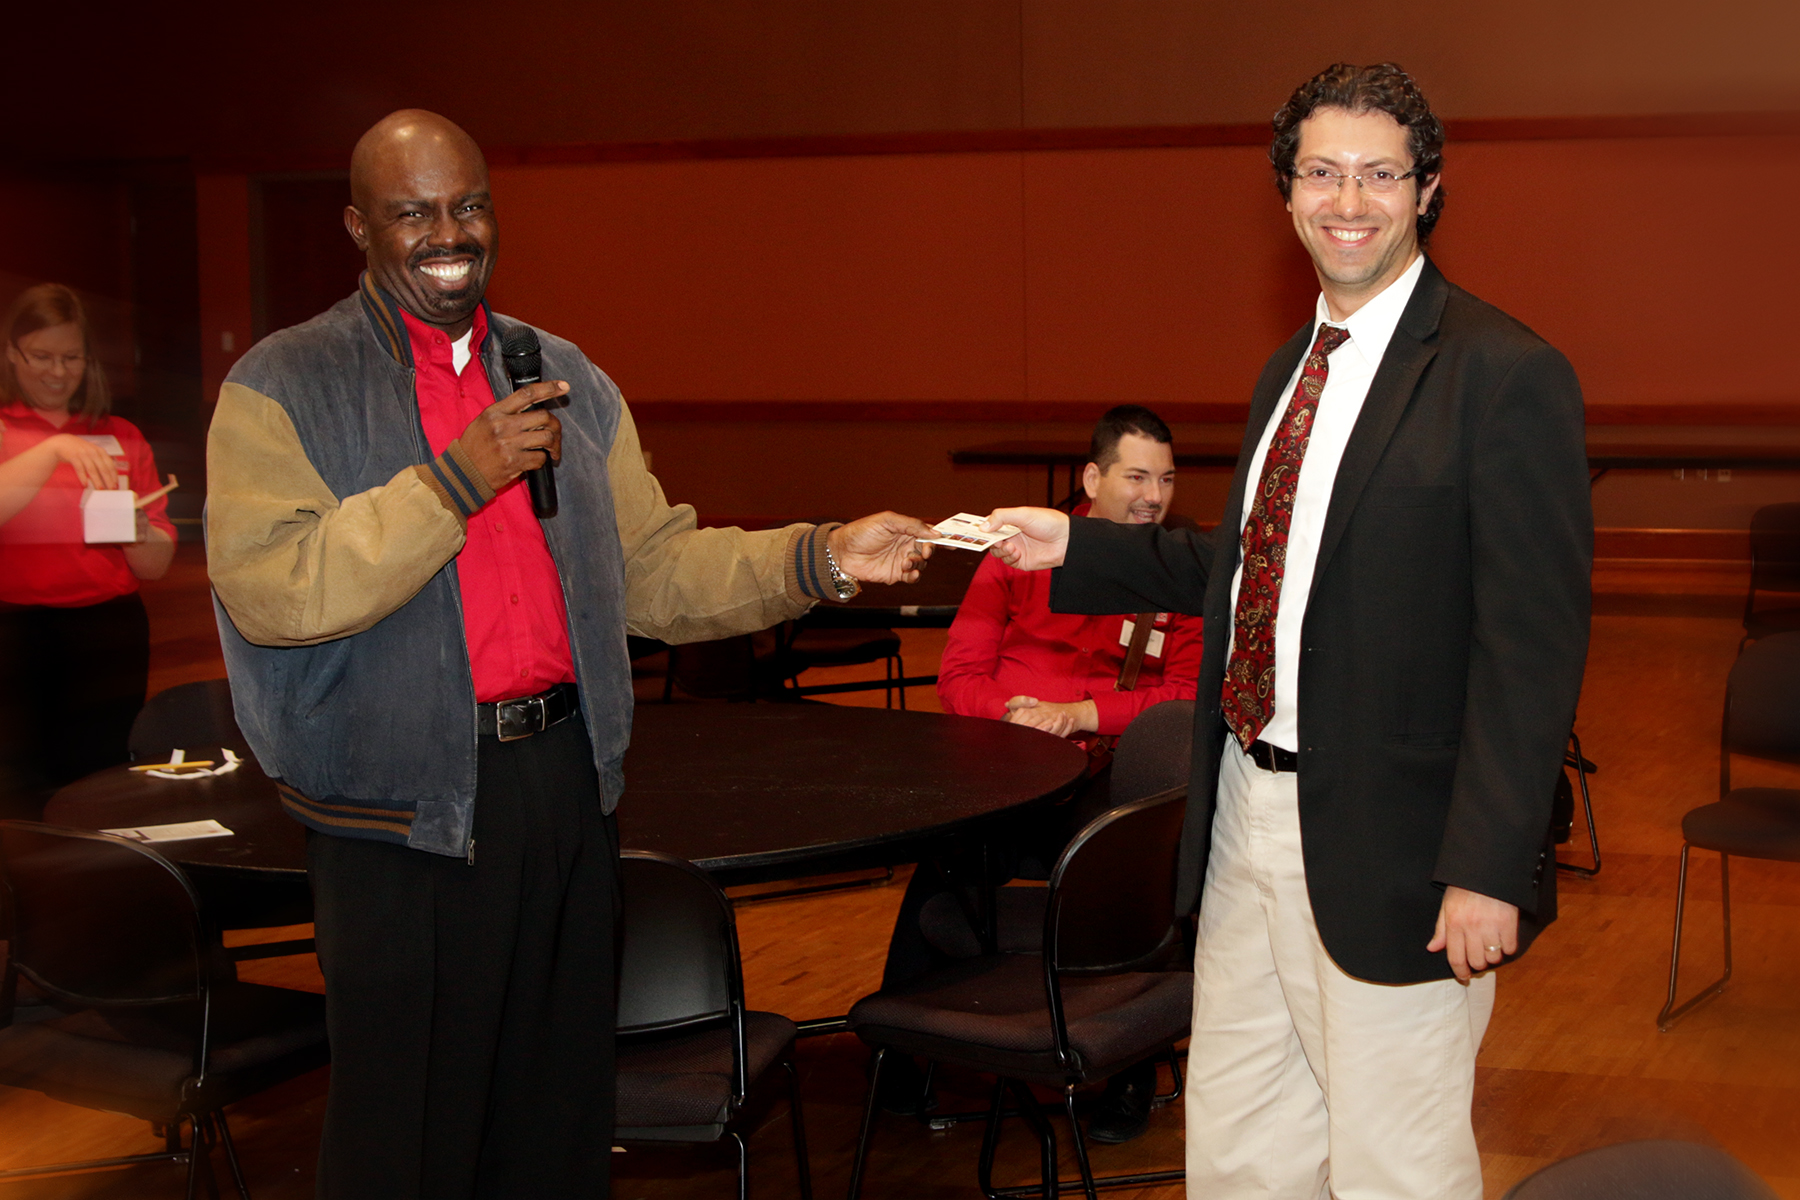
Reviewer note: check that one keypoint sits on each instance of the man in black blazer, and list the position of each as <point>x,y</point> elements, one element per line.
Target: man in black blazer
<point>1396,606</point>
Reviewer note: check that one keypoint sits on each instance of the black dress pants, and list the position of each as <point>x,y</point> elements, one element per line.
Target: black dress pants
<point>72,681</point>
<point>471,1007</point>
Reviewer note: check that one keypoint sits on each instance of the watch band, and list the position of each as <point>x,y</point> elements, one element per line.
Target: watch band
<point>842,584</point>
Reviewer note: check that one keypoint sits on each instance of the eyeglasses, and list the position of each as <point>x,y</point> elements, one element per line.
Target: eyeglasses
<point>43,362</point>
<point>1378,183</point>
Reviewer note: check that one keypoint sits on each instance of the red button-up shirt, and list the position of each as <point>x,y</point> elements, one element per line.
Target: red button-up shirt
<point>513,613</point>
<point>1006,642</point>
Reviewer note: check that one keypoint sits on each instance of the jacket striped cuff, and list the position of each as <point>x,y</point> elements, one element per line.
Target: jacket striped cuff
<point>457,484</point>
<point>808,578</point>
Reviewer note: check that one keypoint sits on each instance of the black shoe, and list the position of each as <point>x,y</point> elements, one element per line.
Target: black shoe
<point>1123,1110</point>
<point>902,1090</point>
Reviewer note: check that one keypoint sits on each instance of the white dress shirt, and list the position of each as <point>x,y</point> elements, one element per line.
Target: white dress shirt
<point>1351,369</point>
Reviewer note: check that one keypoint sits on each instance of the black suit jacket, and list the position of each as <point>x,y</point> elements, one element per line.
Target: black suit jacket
<point>1444,637</point>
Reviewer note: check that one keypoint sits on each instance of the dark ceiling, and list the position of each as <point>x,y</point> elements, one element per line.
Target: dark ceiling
<point>292,85</point>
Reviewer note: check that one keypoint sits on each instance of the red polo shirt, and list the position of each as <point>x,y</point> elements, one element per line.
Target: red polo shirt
<point>43,559</point>
<point>513,612</point>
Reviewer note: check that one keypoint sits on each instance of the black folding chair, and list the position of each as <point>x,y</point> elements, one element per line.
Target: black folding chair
<point>1563,809</point>
<point>804,647</point>
<point>143,1016</point>
<point>186,716</point>
<point>688,1053</point>
<point>1153,755</point>
<point>1649,1170</point>
<point>1095,1000</point>
<point>1774,567</point>
<point>1762,719</point>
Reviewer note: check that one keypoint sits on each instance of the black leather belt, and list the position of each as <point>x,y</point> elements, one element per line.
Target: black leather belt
<point>1273,758</point>
<point>510,720</point>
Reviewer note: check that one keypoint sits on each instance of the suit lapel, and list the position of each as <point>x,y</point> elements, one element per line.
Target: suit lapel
<point>1413,345</point>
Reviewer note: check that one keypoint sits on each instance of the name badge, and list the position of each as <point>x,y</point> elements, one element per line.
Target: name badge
<point>1152,649</point>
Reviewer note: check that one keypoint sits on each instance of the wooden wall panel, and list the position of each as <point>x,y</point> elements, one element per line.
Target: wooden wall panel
<point>1146,274</point>
<point>1157,275</point>
<point>1661,281</point>
<point>877,278</point>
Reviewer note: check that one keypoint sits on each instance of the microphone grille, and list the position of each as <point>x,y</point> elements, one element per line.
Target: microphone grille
<point>520,340</point>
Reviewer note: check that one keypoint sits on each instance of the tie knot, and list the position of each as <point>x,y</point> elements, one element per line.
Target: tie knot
<point>1330,338</point>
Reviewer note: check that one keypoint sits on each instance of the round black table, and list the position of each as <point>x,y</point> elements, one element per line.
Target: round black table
<point>749,792</point>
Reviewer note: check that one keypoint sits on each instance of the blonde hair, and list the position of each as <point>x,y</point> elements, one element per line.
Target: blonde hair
<point>43,307</point>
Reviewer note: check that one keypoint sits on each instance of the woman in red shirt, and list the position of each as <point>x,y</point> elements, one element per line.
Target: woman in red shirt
<point>74,639</point>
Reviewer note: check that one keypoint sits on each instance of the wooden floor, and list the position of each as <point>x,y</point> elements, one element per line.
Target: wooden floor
<point>1572,1061</point>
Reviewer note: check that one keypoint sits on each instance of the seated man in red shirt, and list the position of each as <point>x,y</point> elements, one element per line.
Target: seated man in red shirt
<point>1010,658</point>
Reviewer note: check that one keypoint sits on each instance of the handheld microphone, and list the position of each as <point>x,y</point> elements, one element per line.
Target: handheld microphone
<point>524,360</point>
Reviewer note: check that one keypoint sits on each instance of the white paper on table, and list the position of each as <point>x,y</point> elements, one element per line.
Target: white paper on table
<point>183,831</point>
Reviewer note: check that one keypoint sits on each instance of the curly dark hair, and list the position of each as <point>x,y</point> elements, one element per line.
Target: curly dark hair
<point>1380,88</point>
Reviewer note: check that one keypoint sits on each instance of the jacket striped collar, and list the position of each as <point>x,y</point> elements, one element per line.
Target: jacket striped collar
<point>384,315</point>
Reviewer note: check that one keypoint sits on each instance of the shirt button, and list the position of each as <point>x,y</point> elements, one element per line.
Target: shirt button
<point>515,599</point>
<point>524,674</point>
<point>499,527</point>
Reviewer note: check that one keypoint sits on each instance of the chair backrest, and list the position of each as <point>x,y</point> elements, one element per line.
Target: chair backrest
<point>725,669</point>
<point>1649,1170</point>
<point>1762,704</point>
<point>678,962</point>
<point>1775,549</point>
<point>1112,895</point>
<point>187,716</point>
<point>99,920</point>
<point>1154,753</point>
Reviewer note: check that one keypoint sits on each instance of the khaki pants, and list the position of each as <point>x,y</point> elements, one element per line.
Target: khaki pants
<point>1304,1082</point>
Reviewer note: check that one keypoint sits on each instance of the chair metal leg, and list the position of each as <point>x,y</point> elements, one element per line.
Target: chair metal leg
<point>129,1160</point>
<point>196,1152</point>
<point>990,1140</point>
<point>1046,1134</point>
<point>208,1176</point>
<point>801,1163</point>
<point>868,1125</point>
<point>1665,1020</point>
<point>1178,1075</point>
<point>1581,766</point>
<point>1090,1183</point>
<point>1081,1155</point>
<point>231,1158</point>
<point>743,1163</point>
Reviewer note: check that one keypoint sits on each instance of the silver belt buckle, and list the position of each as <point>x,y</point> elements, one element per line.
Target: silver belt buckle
<point>517,719</point>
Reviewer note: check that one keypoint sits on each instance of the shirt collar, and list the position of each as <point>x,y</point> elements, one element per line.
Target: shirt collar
<point>395,325</point>
<point>431,345</point>
<point>19,410</point>
<point>1372,326</point>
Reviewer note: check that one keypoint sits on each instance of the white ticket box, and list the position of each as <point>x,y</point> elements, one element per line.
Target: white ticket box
<point>108,517</point>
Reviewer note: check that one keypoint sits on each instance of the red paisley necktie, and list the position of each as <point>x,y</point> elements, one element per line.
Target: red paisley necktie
<point>1249,693</point>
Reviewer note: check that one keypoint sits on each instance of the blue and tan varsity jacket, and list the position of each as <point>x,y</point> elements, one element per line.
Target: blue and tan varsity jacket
<point>332,535</point>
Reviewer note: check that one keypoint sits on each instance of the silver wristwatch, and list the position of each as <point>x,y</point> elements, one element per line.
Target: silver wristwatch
<point>842,584</point>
